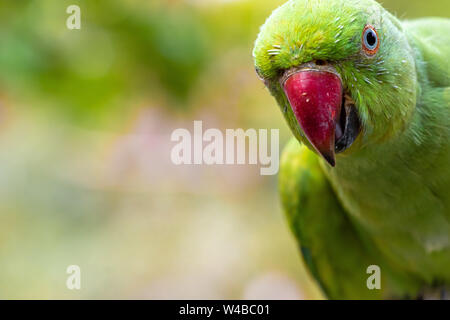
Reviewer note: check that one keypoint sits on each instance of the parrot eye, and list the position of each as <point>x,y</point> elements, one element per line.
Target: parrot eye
<point>370,41</point>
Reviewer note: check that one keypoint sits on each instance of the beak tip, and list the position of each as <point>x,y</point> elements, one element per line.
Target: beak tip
<point>329,158</point>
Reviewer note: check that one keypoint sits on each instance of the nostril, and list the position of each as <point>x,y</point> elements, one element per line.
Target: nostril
<point>320,62</point>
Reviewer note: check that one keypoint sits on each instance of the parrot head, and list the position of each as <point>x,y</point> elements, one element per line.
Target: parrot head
<point>342,72</point>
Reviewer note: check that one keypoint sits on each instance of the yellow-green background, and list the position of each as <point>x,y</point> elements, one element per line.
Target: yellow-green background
<point>85,171</point>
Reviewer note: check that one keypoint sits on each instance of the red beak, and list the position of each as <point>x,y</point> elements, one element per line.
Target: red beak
<point>316,98</point>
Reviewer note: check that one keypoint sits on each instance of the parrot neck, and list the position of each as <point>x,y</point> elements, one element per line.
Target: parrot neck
<point>381,177</point>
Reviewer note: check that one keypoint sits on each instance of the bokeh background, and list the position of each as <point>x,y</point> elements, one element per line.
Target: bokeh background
<point>85,171</point>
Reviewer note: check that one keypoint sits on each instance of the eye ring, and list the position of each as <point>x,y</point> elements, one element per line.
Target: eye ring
<point>370,40</point>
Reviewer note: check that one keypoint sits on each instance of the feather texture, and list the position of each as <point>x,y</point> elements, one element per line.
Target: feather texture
<point>391,189</point>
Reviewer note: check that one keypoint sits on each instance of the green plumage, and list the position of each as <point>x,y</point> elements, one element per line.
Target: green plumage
<point>387,201</point>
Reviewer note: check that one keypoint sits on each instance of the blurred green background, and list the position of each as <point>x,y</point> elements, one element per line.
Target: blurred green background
<point>85,171</point>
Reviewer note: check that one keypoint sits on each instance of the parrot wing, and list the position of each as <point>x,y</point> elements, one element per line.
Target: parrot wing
<point>334,252</point>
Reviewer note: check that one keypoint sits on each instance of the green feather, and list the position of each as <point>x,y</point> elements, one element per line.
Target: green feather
<point>389,194</point>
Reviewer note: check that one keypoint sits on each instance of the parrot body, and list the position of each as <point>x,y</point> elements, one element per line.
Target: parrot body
<point>369,182</point>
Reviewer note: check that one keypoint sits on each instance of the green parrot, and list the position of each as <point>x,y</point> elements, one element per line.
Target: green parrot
<point>365,182</point>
